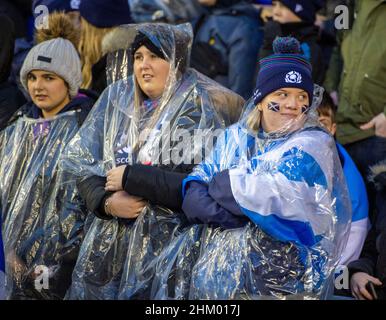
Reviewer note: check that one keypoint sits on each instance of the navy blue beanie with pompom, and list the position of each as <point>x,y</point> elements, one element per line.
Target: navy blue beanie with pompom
<point>285,68</point>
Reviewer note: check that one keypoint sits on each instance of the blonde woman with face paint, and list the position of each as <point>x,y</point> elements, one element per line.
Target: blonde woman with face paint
<point>270,203</point>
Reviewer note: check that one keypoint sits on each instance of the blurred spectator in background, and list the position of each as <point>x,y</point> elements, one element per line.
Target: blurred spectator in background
<point>226,44</point>
<point>11,97</point>
<point>18,11</point>
<point>362,90</point>
<point>325,21</point>
<point>172,11</point>
<point>98,17</point>
<point>296,18</point>
<point>371,266</point>
<point>355,184</point>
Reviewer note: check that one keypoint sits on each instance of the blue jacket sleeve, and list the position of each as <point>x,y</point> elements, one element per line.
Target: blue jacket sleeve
<point>213,203</point>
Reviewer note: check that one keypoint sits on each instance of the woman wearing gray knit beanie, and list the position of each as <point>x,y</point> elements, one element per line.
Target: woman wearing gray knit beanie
<point>51,72</point>
<point>42,220</point>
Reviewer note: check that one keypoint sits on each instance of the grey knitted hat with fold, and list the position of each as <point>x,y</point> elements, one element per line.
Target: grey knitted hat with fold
<point>58,56</point>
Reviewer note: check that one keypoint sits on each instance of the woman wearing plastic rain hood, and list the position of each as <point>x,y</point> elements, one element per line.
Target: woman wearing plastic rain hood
<point>146,121</point>
<point>42,217</point>
<point>274,183</point>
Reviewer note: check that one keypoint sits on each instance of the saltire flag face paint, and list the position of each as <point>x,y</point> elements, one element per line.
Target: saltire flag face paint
<point>305,109</point>
<point>274,106</point>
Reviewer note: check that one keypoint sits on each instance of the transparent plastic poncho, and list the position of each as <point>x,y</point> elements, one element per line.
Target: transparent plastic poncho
<point>119,255</point>
<point>290,185</point>
<point>42,217</point>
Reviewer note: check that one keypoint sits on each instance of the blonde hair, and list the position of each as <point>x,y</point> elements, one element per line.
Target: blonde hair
<point>90,49</point>
<point>254,119</point>
<point>139,97</point>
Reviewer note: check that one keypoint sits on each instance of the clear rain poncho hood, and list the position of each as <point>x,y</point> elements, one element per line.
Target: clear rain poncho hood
<point>42,217</point>
<point>290,185</point>
<point>119,255</point>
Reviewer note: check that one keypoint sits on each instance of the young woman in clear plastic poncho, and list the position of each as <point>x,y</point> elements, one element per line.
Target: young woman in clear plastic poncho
<point>270,203</point>
<point>42,217</point>
<point>148,120</point>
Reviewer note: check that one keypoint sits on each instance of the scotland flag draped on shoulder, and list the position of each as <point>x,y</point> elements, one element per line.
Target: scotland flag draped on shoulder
<point>276,211</point>
<point>298,184</point>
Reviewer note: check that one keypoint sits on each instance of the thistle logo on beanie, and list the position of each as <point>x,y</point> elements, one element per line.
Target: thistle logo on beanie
<point>293,77</point>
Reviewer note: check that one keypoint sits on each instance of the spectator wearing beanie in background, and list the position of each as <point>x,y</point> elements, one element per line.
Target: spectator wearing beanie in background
<point>296,18</point>
<point>98,17</point>
<point>42,217</point>
<point>11,98</point>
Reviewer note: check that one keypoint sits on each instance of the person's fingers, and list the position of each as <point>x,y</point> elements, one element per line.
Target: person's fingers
<point>110,186</point>
<point>355,294</point>
<point>365,293</point>
<point>367,125</point>
<point>376,281</point>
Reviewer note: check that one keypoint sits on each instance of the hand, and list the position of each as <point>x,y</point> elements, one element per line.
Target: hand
<point>358,285</point>
<point>266,13</point>
<point>379,122</point>
<point>114,179</point>
<point>123,205</point>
